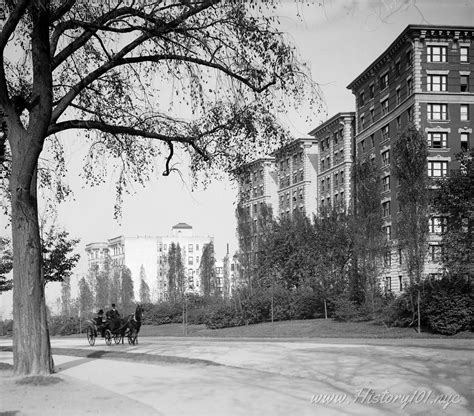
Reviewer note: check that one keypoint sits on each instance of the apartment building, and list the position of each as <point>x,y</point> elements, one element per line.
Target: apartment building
<point>424,77</point>
<point>335,138</point>
<point>150,255</point>
<point>192,247</point>
<point>297,171</point>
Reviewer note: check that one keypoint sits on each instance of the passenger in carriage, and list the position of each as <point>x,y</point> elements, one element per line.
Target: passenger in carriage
<point>113,316</point>
<point>100,322</point>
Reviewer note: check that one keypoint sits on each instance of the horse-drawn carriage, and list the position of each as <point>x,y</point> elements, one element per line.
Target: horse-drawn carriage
<point>115,329</point>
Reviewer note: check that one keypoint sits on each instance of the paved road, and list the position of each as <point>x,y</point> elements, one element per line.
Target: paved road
<point>343,377</point>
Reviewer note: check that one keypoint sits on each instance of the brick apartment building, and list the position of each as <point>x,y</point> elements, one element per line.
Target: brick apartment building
<point>335,138</point>
<point>424,77</point>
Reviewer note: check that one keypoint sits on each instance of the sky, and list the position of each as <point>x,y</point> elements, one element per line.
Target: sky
<point>337,38</point>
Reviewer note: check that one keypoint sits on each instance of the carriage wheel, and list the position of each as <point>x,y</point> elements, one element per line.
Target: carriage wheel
<point>90,336</point>
<point>117,338</point>
<point>108,337</point>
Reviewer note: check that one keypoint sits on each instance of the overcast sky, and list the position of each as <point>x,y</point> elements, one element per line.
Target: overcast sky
<point>338,39</point>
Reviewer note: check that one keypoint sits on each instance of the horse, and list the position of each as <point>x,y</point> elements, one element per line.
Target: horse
<point>130,326</point>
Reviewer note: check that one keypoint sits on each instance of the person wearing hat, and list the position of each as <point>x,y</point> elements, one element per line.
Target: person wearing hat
<point>113,314</point>
<point>100,321</point>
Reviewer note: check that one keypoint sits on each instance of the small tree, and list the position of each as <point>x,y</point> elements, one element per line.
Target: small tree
<point>207,269</point>
<point>454,200</point>
<point>115,285</point>
<point>102,285</point>
<point>144,288</point>
<point>66,296</point>
<point>58,258</point>
<point>409,166</point>
<point>368,241</point>
<point>127,292</point>
<point>6,264</point>
<point>86,298</point>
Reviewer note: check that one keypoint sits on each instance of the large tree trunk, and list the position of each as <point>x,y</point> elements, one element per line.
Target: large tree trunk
<point>31,345</point>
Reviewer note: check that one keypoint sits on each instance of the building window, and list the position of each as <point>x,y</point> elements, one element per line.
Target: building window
<point>386,209</point>
<point>372,115</point>
<point>342,176</point>
<point>397,68</point>
<point>398,96</point>
<point>372,90</point>
<point>197,247</point>
<point>435,252</point>
<point>384,81</point>
<point>362,146</point>
<point>372,140</point>
<point>387,230</point>
<point>464,83</point>
<point>388,283</point>
<point>437,169</point>
<point>400,256</point>
<point>409,56</point>
<point>437,140</point>
<point>190,248</point>
<point>322,185</point>
<point>387,259</point>
<point>437,54</point>
<point>190,260</point>
<point>464,112</point>
<point>386,158</point>
<point>386,183</point>
<point>362,122</point>
<point>437,82</point>
<point>385,133</point>
<point>400,283</point>
<point>336,179</point>
<point>409,86</point>
<point>438,112</point>
<point>384,105</point>
<point>361,98</point>
<point>398,122</point>
<point>410,114</point>
<point>464,54</point>
<point>464,142</point>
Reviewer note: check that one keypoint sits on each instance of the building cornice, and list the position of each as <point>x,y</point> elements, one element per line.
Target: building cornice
<point>458,33</point>
<point>328,124</point>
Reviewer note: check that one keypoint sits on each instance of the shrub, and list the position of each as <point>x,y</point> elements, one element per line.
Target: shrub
<point>304,305</point>
<point>222,316</point>
<point>63,325</point>
<point>347,310</point>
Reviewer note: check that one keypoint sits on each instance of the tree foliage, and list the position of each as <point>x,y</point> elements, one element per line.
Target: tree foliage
<point>144,288</point>
<point>454,198</point>
<point>86,298</point>
<point>207,270</point>
<point>368,241</point>
<point>58,258</point>
<point>6,264</point>
<point>176,274</point>
<point>127,294</point>
<point>409,166</point>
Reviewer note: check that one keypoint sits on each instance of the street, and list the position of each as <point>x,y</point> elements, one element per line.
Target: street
<point>242,377</point>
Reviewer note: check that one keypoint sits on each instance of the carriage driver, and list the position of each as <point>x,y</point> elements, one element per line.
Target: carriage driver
<point>113,314</point>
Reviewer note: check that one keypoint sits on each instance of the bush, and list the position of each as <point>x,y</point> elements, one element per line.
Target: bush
<point>346,310</point>
<point>63,325</point>
<point>305,305</point>
<point>223,316</point>
<point>446,306</point>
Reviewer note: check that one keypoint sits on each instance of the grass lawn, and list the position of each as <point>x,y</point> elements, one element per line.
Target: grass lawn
<point>311,328</point>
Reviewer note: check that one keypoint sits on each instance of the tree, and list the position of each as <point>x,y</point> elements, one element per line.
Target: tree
<point>368,241</point>
<point>409,166</point>
<point>58,260</point>
<point>102,285</point>
<point>6,264</point>
<point>332,253</point>
<point>144,288</point>
<point>100,67</point>
<point>207,270</point>
<point>115,283</point>
<point>86,298</point>
<point>245,239</point>
<point>454,200</point>
<point>66,297</point>
<point>126,293</point>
